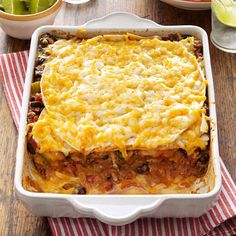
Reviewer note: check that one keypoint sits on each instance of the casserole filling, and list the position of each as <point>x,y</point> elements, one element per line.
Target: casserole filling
<point>118,114</point>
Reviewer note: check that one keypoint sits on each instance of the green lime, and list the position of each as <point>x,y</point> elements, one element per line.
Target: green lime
<point>38,6</point>
<point>225,11</point>
<point>51,2</point>
<point>14,7</point>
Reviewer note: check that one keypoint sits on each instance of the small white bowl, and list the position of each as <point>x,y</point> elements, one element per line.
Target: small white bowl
<point>23,26</point>
<point>187,5</point>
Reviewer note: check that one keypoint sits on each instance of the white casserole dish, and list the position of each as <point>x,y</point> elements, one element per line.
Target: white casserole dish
<point>119,209</point>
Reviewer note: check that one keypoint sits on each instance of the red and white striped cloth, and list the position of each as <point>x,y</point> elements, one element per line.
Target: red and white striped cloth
<point>219,220</point>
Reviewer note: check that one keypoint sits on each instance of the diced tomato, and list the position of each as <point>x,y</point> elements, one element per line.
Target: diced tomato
<point>35,118</point>
<point>38,97</point>
<point>108,185</point>
<point>90,178</point>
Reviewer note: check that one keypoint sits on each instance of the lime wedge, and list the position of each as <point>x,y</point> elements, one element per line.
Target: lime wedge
<point>225,11</point>
<point>38,5</point>
<point>51,2</point>
<point>13,7</point>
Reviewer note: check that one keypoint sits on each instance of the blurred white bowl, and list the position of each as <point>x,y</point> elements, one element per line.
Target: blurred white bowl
<point>23,26</point>
<point>189,5</point>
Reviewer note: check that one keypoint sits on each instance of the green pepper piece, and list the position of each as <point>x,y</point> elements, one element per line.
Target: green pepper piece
<point>35,88</point>
<point>120,157</point>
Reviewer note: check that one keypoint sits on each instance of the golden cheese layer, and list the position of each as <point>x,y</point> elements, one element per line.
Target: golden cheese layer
<point>119,92</point>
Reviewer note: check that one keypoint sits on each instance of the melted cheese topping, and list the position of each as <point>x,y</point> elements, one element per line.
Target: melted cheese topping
<point>121,92</point>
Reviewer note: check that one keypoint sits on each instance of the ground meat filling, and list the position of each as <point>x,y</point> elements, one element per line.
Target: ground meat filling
<point>107,170</point>
<point>105,173</point>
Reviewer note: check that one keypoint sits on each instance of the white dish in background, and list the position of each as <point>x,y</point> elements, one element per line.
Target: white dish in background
<point>119,209</point>
<point>23,26</point>
<point>189,5</point>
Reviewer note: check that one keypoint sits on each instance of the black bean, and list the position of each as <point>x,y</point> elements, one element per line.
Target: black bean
<point>183,152</point>
<point>40,49</point>
<point>142,169</point>
<point>37,79</point>
<point>105,157</point>
<point>109,177</point>
<point>201,168</point>
<point>205,105</point>
<point>46,39</point>
<point>43,42</point>
<point>198,150</point>
<point>31,146</point>
<point>32,98</point>
<point>36,104</point>
<point>40,60</point>
<point>204,158</point>
<point>38,74</point>
<point>37,110</point>
<point>81,190</point>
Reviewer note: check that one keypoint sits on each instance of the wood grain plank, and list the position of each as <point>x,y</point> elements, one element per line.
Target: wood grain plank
<point>15,219</point>
<point>223,74</point>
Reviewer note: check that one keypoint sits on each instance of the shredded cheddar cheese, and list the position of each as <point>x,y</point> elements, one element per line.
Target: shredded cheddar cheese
<point>121,92</point>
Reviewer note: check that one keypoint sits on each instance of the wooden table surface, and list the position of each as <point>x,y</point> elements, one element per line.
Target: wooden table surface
<point>14,218</point>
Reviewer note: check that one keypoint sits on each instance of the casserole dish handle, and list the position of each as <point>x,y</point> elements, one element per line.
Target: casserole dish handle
<point>123,20</point>
<point>111,212</point>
